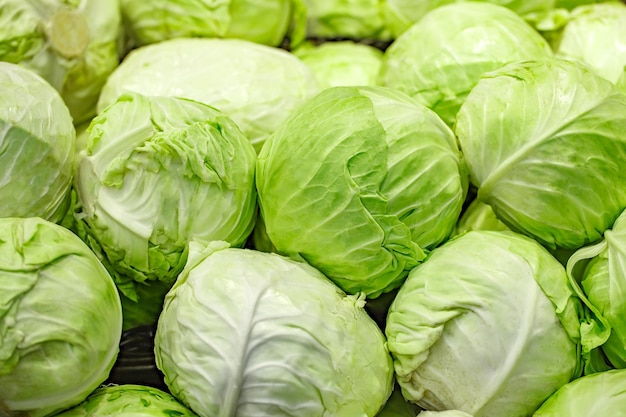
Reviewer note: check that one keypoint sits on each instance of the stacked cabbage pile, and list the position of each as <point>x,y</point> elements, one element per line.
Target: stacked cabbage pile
<point>320,208</point>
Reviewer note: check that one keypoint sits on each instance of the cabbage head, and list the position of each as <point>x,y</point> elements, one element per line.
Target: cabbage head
<point>342,63</point>
<point>74,45</point>
<point>360,182</point>
<point>441,57</point>
<point>128,400</point>
<point>157,172</point>
<point>37,144</point>
<point>256,85</point>
<point>244,333</point>
<point>488,325</point>
<point>60,318</point>
<point>478,216</point>
<point>604,283</point>
<point>400,15</point>
<point>572,4</point>
<point>544,143</point>
<point>261,21</point>
<point>354,19</point>
<point>599,394</point>
<point>595,35</point>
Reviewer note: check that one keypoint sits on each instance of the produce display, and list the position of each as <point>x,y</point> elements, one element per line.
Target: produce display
<point>304,208</point>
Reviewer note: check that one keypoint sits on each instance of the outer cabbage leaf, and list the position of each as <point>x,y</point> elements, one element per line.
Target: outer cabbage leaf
<point>355,19</point>
<point>60,318</point>
<point>145,306</point>
<point>547,152</point>
<point>604,283</point>
<point>257,86</point>
<point>600,394</point>
<point>401,14</point>
<point>74,45</point>
<point>157,172</point>
<point>129,401</point>
<point>595,35</point>
<point>478,216</point>
<point>342,63</point>
<point>156,21</point>
<point>487,324</point>
<point>572,4</point>
<point>441,57</point>
<point>37,144</point>
<point>359,182</point>
<point>251,333</point>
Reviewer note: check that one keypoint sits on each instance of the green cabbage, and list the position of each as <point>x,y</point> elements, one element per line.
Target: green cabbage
<point>478,216</point>
<point>595,35</point>
<point>74,45</point>
<point>256,85</point>
<point>157,172</point>
<point>129,401</point>
<point>544,144</point>
<point>598,395</point>
<point>37,144</point>
<point>441,58</point>
<point>60,318</point>
<point>402,14</point>
<point>355,19</point>
<point>604,282</point>
<point>248,333</point>
<point>360,182</point>
<point>572,4</point>
<point>262,21</point>
<point>342,63</point>
<point>488,324</point>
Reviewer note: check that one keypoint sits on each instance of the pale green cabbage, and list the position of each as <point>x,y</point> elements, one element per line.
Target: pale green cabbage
<point>599,395</point>
<point>572,4</point>
<point>360,182</point>
<point>355,19</point>
<point>37,145</point>
<point>478,216</point>
<point>544,143</point>
<point>247,333</point>
<point>441,58</point>
<point>74,45</point>
<point>488,325</point>
<point>595,35</point>
<point>604,283</point>
<point>157,172</point>
<point>400,15</point>
<point>256,85</point>
<point>262,21</point>
<point>129,400</point>
<point>342,63</point>
<point>60,318</point>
